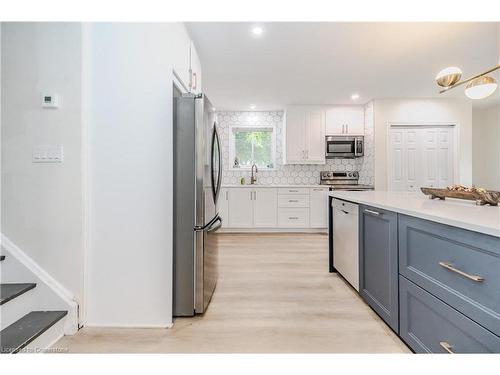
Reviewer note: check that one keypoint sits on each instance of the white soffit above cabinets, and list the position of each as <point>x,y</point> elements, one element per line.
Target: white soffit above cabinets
<point>325,63</point>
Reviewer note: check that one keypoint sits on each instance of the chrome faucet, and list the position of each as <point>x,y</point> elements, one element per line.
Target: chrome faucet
<point>253,179</point>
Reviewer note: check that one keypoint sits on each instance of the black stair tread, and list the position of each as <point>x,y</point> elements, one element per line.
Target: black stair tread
<point>13,290</point>
<point>2,257</point>
<point>20,333</point>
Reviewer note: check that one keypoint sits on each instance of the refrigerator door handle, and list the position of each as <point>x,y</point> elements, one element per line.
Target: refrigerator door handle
<point>215,227</point>
<point>200,228</point>
<point>216,184</point>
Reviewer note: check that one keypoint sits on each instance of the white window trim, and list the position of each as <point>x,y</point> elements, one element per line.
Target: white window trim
<point>232,152</point>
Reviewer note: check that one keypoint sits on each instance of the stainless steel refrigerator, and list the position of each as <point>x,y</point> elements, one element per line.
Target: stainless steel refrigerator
<point>197,182</point>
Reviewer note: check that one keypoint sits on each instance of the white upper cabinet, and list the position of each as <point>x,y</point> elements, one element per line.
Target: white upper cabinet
<point>294,142</point>
<point>304,135</point>
<point>186,63</point>
<point>315,136</point>
<point>180,47</point>
<point>345,120</point>
<point>195,71</point>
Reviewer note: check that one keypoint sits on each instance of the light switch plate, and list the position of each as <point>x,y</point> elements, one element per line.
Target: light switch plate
<point>48,154</point>
<point>50,101</point>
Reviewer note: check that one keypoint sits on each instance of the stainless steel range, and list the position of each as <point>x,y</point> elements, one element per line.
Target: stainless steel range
<point>342,181</point>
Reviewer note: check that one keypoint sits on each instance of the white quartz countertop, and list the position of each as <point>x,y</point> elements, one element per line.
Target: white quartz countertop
<point>454,212</point>
<point>274,186</point>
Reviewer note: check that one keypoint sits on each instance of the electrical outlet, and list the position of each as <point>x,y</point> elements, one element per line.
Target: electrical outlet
<point>48,154</point>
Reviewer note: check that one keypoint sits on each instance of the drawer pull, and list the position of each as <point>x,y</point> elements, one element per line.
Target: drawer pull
<point>293,201</point>
<point>372,212</point>
<point>293,217</point>
<point>448,266</point>
<point>447,347</point>
<point>293,191</point>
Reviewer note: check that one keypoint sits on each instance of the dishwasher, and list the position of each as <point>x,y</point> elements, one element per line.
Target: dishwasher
<point>345,240</point>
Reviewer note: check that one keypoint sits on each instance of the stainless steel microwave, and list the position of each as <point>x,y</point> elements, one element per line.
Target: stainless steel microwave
<point>344,146</point>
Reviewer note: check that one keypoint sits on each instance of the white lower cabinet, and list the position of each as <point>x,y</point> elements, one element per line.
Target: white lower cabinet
<point>223,206</point>
<point>264,207</point>
<point>240,208</point>
<point>292,217</point>
<point>319,207</point>
<point>273,208</point>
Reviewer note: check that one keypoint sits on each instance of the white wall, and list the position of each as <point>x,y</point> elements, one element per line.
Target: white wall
<point>42,203</point>
<point>422,111</point>
<point>486,147</point>
<point>129,281</point>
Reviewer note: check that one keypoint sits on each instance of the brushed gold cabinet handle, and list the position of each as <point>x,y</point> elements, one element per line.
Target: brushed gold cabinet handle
<point>446,346</point>
<point>448,266</point>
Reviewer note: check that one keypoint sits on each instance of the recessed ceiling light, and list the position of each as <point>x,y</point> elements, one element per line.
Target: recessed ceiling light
<point>253,106</point>
<point>355,96</point>
<point>257,30</point>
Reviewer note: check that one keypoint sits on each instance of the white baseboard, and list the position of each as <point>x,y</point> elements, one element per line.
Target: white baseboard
<point>274,230</point>
<point>71,326</point>
<point>138,325</point>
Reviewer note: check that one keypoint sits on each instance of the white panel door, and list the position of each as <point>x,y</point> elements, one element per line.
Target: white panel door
<point>315,136</point>
<point>446,157</point>
<point>318,206</point>
<point>295,122</point>
<point>240,208</point>
<point>265,207</point>
<point>421,156</point>
<point>398,159</point>
<point>412,162</point>
<point>223,207</point>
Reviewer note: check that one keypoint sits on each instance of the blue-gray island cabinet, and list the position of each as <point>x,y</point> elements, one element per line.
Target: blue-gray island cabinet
<point>435,283</point>
<point>378,262</point>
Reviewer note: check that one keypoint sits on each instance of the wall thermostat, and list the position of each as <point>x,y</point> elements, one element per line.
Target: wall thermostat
<point>50,100</point>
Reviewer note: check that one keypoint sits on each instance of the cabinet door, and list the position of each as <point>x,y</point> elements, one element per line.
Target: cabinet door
<point>223,207</point>
<point>240,208</point>
<point>295,122</point>
<point>318,207</point>
<point>265,207</point>
<point>195,65</point>
<point>335,121</point>
<point>355,120</point>
<point>378,262</point>
<point>345,120</point>
<point>180,48</point>
<point>315,136</point>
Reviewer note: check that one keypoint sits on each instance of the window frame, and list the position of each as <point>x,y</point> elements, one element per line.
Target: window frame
<point>232,144</point>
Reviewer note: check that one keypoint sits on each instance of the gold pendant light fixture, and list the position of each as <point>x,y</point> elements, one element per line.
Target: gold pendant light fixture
<point>478,87</point>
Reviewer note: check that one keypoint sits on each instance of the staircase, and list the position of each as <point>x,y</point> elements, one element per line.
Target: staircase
<point>25,330</point>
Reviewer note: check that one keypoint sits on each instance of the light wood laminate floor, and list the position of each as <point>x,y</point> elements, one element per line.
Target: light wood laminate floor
<point>274,295</point>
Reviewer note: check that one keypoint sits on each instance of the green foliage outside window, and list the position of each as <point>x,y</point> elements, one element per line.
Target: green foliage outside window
<point>254,147</point>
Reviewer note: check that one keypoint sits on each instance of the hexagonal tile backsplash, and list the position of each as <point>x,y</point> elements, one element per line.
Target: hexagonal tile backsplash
<point>291,174</point>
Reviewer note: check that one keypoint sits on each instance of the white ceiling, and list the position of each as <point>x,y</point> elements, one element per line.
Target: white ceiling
<point>324,63</point>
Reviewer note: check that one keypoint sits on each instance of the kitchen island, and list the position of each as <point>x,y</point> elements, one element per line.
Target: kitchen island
<point>429,268</point>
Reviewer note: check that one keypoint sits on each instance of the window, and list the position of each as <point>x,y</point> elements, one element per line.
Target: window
<point>252,145</point>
